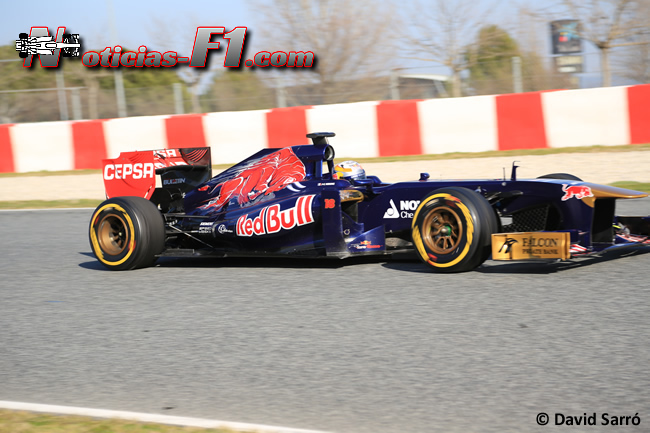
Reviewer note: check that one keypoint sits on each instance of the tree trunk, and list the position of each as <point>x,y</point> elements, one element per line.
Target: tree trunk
<point>604,66</point>
<point>196,105</point>
<point>455,84</point>
<point>93,112</point>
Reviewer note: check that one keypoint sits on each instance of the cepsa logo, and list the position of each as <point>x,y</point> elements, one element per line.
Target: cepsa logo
<point>143,170</point>
<point>271,219</point>
<point>138,170</point>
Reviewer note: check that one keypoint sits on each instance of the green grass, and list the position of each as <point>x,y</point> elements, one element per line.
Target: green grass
<point>507,153</point>
<point>54,204</point>
<point>30,422</point>
<point>50,173</point>
<point>451,155</point>
<point>44,173</point>
<point>637,186</point>
<point>49,204</point>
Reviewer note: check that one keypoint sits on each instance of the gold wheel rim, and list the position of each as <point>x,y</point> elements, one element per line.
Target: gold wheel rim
<point>112,234</point>
<point>442,230</point>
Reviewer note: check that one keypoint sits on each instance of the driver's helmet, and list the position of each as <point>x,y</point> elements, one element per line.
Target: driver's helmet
<point>349,170</point>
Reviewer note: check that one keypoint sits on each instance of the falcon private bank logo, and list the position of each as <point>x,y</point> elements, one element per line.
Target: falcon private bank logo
<point>49,49</point>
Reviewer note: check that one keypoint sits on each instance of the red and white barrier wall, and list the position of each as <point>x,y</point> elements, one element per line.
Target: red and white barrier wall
<point>601,116</point>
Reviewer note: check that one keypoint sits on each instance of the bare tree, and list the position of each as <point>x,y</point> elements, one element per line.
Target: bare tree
<point>531,28</point>
<point>350,40</point>
<point>443,31</point>
<point>635,61</point>
<point>90,77</point>
<point>185,30</point>
<point>609,24</point>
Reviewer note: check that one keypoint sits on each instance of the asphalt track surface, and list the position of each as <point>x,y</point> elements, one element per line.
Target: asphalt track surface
<point>356,346</point>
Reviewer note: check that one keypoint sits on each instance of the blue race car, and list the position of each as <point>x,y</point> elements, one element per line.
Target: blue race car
<point>295,202</point>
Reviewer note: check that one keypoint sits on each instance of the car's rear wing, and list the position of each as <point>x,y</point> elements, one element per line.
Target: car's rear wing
<point>134,173</point>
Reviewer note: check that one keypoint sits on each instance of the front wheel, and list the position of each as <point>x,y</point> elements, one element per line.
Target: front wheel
<point>452,229</point>
<point>127,233</point>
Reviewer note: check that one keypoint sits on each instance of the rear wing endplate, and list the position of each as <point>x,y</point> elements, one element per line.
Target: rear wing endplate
<point>134,173</point>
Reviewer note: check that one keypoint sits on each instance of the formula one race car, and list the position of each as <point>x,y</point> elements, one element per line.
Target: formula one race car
<point>45,45</point>
<point>291,202</point>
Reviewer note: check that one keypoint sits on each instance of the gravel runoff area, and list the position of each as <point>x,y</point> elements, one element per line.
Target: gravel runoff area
<point>605,168</point>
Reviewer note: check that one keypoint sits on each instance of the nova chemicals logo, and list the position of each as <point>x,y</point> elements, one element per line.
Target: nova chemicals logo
<point>392,211</point>
<point>406,209</point>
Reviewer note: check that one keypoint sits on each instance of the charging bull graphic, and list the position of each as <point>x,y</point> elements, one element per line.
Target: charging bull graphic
<point>577,191</point>
<point>262,177</point>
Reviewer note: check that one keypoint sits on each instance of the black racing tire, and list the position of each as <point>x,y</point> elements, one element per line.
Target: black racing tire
<point>561,176</point>
<point>23,35</point>
<point>452,229</point>
<point>127,233</point>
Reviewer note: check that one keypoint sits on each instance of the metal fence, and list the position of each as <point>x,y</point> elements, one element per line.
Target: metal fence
<point>251,91</point>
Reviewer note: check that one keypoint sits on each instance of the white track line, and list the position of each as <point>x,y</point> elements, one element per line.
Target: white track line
<point>148,417</point>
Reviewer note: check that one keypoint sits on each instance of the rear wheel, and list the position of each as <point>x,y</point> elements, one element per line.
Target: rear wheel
<point>127,233</point>
<point>452,229</point>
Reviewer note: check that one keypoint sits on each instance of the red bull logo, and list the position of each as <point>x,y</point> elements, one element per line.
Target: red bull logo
<point>577,191</point>
<point>271,219</point>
